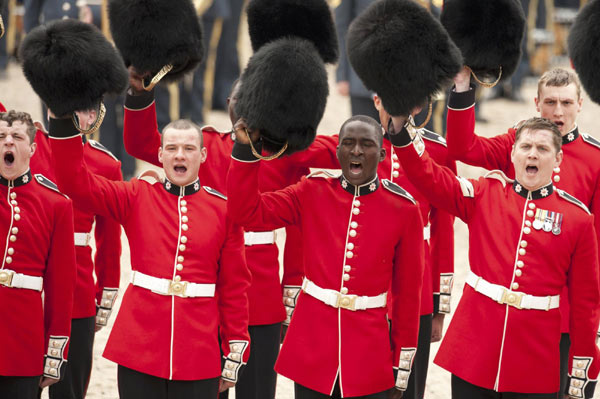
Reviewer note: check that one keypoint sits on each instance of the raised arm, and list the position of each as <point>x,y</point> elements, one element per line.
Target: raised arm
<point>90,192</point>
<point>463,144</point>
<point>584,296</point>
<point>140,130</point>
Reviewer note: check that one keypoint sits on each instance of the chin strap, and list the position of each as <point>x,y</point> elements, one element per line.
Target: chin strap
<point>268,158</point>
<point>486,84</point>
<point>422,125</point>
<point>161,74</point>
<point>101,112</point>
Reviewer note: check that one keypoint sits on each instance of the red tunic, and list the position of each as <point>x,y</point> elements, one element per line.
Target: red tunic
<point>142,140</point>
<point>106,263</point>
<point>174,233</point>
<point>579,173</point>
<point>498,346</point>
<point>346,249</point>
<point>37,228</point>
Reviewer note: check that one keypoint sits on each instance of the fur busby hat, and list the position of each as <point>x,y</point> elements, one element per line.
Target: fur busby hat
<point>269,20</point>
<point>71,65</point>
<point>153,33</point>
<point>283,92</point>
<point>402,53</point>
<point>584,48</point>
<point>488,33</point>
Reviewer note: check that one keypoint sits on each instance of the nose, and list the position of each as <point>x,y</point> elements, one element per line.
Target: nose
<point>357,149</point>
<point>558,109</point>
<point>180,153</point>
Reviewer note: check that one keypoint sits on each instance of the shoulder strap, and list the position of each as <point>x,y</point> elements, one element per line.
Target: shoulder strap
<point>396,189</point>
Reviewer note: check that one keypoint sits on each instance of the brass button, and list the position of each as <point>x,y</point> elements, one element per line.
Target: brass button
<point>13,195</point>
<point>11,251</point>
<point>444,299</point>
<point>345,302</point>
<point>523,244</point>
<point>556,178</point>
<point>356,202</point>
<point>180,259</point>
<point>183,239</point>
<point>515,286</point>
<point>530,213</point>
<point>228,374</point>
<point>184,227</point>
<point>107,303</point>
<point>8,259</point>
<point>289,301</point>
<point>230,365</point>
<point>349,254</point>
<point>55,344</point>
<point>344,290</point>
<point>395,173</point>
<point>556,170</point>
<point>54,352</point>
<point>13,202</point>
<point>182,247</point>
<point>346,277</point>
<point>177,279</point>
<point>183,202</point>
<point>15,230</point>
<point>184,209</point>
<point>184,219</point>
<point>527,223</point>
<point>356,211</point>
<point>53,363</point>
<point>522,251</point>
<point>527,230</point>
<point>518,272</point>
<point>350,246</point>
<point>347,268</point>
<point>17,209</point>
<point>394,156</point>
<point>580,364</point>
<point>234,348</point>
<point>17,217</point>
<point>66,6</point>
<point>179,267</point>
<point>104,313</point>
<point>289,293</point>
<point>396,165</point>
<point>531,205</point>
<point>353,225</point>
<point>13,238</point>
<point>352,233</point>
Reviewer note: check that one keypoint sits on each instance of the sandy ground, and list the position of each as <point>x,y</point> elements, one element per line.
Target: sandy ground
<point>16,93</point>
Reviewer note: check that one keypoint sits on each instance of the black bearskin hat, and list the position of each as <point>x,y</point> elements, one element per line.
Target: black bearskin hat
<point>270,20</point>
<point>584,48</point>
<point>488,33</point>
<point>402,53</point>
<point>153,33</point>
<point>283,92</point>
<point>71,65</point>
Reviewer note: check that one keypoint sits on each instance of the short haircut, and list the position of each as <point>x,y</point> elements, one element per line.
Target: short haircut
<point>183,124</point>
<point>17,116</point>
<point>369,121</point>
<point>558,77</point>
<point>537,123</point>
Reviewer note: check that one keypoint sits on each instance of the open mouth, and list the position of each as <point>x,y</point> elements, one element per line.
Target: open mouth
<point>9,158</point>
<point>180,169</point>
<point>531,170</point>
<point>356,168</point>
<point>560,124</point>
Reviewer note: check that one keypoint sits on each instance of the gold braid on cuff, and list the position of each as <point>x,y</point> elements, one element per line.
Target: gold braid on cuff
<point>422,125</point>
<point>268,158</point>
<point>161,74</point>
<point>489,85</point>
<point>96,125</point>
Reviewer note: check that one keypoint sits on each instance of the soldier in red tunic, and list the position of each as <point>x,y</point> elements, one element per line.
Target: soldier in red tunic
<point>350,259</point>
<point>559,100</point>
<point>37,276</point>
<point>189,278</point>
<point>528,241</point>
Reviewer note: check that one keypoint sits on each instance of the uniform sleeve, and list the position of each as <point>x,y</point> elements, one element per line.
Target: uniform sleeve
<point>407,281</point>
<point>232,287</point>
<point>93,193</point>
<point>584,297</point>
<point>59,285</point>
<point>442,188</point>
<point>320,154</point>
<point>107,261</point>
<point>465,146</point>
<point>247,205</point>
<point>140,130</point>
<point>293,270</point>
<point>442,254</point>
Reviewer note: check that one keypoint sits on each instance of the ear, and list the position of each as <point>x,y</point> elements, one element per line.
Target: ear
<point>512,154</point>
<point>579,104</point>
<point>377,102</point>
<point>160,154</point>
<point>32,148</point>
<point>559,158</point>
<point>536,100</point>
<point>382,154</point>
<point>203,155</point>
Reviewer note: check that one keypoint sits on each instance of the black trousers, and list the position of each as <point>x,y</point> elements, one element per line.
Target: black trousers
<point>79,366</point>
<point>565,344</point>
<point>418,375</point>
<point>258,379</point>
<point>363,106</point>
<point>19,387</point>
<point>461,389</point>
<point>136,385</point>
<point>302,392</point>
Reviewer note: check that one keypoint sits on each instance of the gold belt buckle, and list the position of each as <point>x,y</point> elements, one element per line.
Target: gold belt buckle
<point>6,277</point>
<point>177,288</point>
<point>346,302</point>
<point>511,298</point>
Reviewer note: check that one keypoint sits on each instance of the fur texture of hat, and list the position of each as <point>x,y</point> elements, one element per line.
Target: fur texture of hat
<point>153,33</point>
<point>269,20</point>
<point>283,92</point>
<point>488,34</point>
<point>584,48</point>
<point>402,53</point>
<point>71,65</point>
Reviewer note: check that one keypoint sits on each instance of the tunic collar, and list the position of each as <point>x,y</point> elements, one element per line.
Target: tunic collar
<point>571,136</point>
<point>174,189</point>
<point>19,181</point>
<point>542,192</point>
<point>363,189</point>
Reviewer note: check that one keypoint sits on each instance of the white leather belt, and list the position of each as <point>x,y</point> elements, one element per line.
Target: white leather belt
<point>10,278</point>
<point>338,300</point>
<point>503,295</point>
<point>163,286</point>
<point>82,239</point>
<point>259,237</point>
<point>426,232</point>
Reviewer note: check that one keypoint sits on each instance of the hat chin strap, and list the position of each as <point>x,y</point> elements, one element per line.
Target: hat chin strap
<point>489,85</point>
<point>422,125</point>
<point>268,158</point>
<point>96,125</point>
<point>161,74</point>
